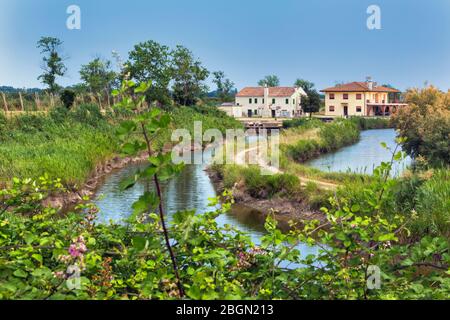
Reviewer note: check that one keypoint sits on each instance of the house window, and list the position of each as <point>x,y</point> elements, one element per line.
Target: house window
<point>256,112</point>
<point>250,100</point>
<point>263,101</point>
<point>331,96</point>
<point>331,108</point>
<point>256,100</point>
<point>273,101</point>
<point>358,109</point>
<point>358,96</point>
<point>345,96</point>
<point>293,101</point>
<point>287,101</point>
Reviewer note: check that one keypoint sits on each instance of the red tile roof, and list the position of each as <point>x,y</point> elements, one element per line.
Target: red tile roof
<point>358,87</point>
<point>273,92</point>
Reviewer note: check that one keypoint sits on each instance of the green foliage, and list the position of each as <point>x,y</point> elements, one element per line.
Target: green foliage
<point>433,205</point>
<point>371,123</point>
<point>151,61</point>
<point>425,125</point>
<point>130,261</point>
<point>189,76</point>
<point>68,98</point>
<point>270,81</point>
<point>53,62</point>
<point>257,185</point>
<point>224,86</point>
<point>301,122</point>
<point>97,75</point>
<point>65,144</point>
<point>332,136</point>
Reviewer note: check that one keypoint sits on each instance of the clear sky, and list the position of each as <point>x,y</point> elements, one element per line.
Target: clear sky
<point>324,41</point>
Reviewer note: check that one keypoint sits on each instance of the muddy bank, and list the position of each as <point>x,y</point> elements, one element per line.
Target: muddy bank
<point>285,210</point>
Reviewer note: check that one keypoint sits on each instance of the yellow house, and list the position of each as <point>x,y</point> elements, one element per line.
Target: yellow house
<point>361,99</point>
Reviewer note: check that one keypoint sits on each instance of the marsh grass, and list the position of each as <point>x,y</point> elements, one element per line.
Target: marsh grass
<point>70,144</point>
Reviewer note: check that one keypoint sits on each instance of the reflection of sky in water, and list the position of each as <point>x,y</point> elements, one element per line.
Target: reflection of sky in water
<point>190,190</point>
<point>363,156</point>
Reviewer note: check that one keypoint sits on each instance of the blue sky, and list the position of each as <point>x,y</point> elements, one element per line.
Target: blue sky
<point>323,41</point>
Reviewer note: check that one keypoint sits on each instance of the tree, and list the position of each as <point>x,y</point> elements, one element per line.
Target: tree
<point>224,86</point>
<point>97,75</point>
<point>53,64</point>
<point>151,61</point>
<point>425,123</point>
<point>311,102</point>
<point>189,75</point>
<point>270,81</point>
<point>304,84</point>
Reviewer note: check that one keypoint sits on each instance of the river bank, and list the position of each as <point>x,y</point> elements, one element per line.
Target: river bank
<point>298,191</point>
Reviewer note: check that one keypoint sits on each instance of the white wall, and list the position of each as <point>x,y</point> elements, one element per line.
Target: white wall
<point>263,106</point>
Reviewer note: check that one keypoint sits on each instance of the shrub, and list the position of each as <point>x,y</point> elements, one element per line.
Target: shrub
<point>89,114</point>
<point>303,150</point>
<point>433,205</point>
<point>302,122</point>
<point>68,98</point>
<point>371,123</point>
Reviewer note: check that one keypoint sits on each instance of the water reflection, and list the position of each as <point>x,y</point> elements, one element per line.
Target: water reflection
<point>364,156</point>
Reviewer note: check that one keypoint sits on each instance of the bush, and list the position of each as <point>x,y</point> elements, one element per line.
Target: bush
<point>433,205</point>
<point>302,122</point>
<point>89,114</point>
<point>371,123</point>
<point>303,150</point>
<point>68,98</point>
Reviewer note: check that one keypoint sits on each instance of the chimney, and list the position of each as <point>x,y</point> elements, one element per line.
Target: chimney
<point>266,93</point>
<point>370,83</point>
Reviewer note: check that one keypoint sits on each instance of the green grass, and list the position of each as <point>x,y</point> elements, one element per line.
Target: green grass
<point>260,186</point>
<point>69,145</point>
<point>61,145</point>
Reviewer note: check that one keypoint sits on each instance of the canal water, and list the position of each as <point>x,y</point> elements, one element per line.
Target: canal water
<point>364,156</point>
<point>192,189</point>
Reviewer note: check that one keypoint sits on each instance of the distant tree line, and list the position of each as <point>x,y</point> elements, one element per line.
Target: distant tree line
<point>177,76</point>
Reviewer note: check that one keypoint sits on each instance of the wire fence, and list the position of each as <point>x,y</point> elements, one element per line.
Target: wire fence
<point>26,101</point>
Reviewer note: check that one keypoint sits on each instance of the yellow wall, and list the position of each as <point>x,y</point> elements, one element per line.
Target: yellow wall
<point>352,102</point>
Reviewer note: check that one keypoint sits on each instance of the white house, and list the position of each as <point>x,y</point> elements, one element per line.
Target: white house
<point>270,102</point>
<point>231,109</point>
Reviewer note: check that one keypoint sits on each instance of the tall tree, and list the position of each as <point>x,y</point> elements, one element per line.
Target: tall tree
<point>312,101</point>
<point>98,75</point>
<point>224,85</point>
<point>189,75</point>
<point>151,61</point>
<point>270,81</point>
<point>425,125</point>
<point>304,84</point>
<point>53,64</point>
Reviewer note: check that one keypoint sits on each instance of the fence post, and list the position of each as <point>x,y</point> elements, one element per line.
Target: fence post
<point>21,101</point>
<point>36,100</point>
<point>5,103</point>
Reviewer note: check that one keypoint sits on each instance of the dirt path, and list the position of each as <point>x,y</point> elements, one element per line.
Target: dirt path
<point>251,156</point>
